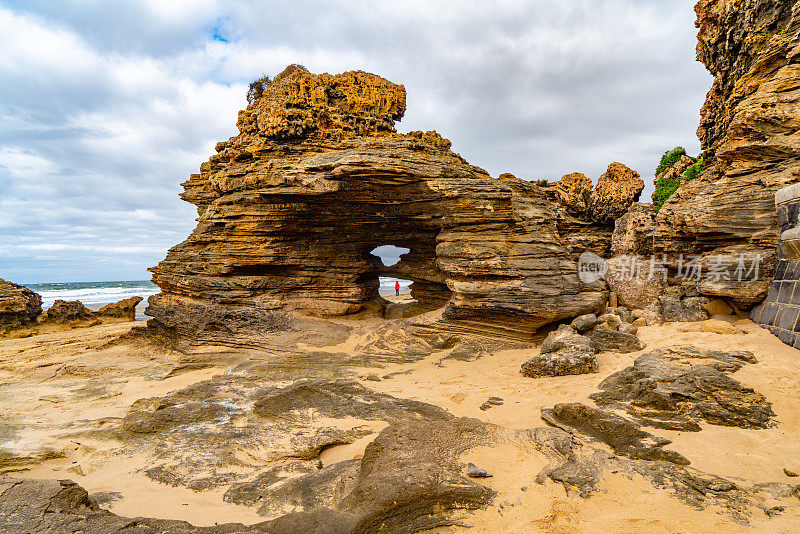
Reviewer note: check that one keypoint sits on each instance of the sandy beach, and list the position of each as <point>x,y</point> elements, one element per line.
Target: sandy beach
<point>61,390</point>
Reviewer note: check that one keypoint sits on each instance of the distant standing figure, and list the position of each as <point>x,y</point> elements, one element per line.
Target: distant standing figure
<point>396,288</point>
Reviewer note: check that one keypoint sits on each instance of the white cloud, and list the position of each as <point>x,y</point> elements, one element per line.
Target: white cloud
<point>108,105</point>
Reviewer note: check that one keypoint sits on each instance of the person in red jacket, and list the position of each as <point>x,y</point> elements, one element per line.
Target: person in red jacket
<point>397,288</point>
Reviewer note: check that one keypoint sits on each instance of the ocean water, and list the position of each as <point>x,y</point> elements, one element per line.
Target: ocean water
<point>93,292</point>
<point>105,292</point>
<point>387,286</point>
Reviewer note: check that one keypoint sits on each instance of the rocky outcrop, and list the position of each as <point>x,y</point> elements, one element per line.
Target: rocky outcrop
<point>674,388</point>
<point>67,311</point>
<point>616,190</point>
<point>317,178</point>
<point>624,436</point>
<point>19,305</point>
<point>124,309</point>
<point>571,348</point>
<point>750,135</point>
<point>75,313</point>
<point>633,231</point>
<point>585,214</point>
<point>273,424</point>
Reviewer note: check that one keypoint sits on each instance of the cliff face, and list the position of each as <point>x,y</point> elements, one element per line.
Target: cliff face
<point>750,132</point>
<point>317,178</point>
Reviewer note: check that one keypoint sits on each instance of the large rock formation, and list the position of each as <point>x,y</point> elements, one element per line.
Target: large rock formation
<point>750,134</point>
<point>290,209</point>
<point>18,305</point>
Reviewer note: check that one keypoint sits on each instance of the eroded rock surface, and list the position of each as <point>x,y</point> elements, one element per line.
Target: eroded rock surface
<point>19,305</point>
<point>565,361</point>
<point>607,339</point>
<point>317,178</point>
<point>624,436</point>
<point>124,309</point>
<point>750,135</point>
<point>247,423</point>
<point>678,387</point>
<point>565,337</point>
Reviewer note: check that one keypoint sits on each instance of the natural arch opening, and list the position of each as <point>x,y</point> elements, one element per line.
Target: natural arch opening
<point>407,261</point>
<point>395,287</point>
<point>389,254</point>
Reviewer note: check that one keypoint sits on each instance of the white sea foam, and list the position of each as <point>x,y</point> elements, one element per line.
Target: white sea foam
<point>93,292</point>
<point>387,285</point>
<point>104,292</point>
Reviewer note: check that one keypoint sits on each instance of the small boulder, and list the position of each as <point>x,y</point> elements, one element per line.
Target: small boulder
<point>565,337</point>
<point>719,327</point>
<point>607,339</point>
<point>66,311</point>
<point>718,307</point>
<point>124,309</point>
<point>689,309</point>
<point>474,471</point>
<point>18,305</point>
<point>585,322</point>
<point>491,402</point>
<point>652,315</point>
<point>567,361</point>
<point>695,308</point>
<point>628,328</point>
<point>610,321</point>
<point>622,312</point>
<point>640,322</point>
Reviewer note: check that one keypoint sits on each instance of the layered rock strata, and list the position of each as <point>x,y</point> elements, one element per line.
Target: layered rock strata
<point>750,135</point>
<point>290,209</point>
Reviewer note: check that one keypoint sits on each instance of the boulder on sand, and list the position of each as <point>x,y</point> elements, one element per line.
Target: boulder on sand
<point>717,326</point>
<point>567,361</point>
<point>18,305</point>
<point>566,337</point>
<point>124,309</point>
<point>67,311</point>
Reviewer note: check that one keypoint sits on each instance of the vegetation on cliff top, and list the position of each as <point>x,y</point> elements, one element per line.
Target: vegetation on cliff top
<point>257,88</point>
<point>667,185</point>
<point>670,158</point>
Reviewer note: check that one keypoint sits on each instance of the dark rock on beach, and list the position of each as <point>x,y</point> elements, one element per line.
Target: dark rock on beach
<point>566,361</point>
<point>19,306</point>
<point>623,435</point>
<point>607,339</point>
<point>674,388</point>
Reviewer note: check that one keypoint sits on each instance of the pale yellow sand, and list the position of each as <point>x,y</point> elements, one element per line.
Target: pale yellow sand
<point>67,376</point>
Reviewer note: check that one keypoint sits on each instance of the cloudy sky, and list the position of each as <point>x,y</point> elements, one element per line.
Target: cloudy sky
<point>107,106</point>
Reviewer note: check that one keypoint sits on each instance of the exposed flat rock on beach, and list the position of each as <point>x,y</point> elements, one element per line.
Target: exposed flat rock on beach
<point>154,427</point>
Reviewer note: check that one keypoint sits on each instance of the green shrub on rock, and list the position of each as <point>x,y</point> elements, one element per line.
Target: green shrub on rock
<point>670,158</point>
<point>666,187</point>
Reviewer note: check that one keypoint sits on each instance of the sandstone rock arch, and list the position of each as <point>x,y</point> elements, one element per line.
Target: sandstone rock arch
<point>290,209</point>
